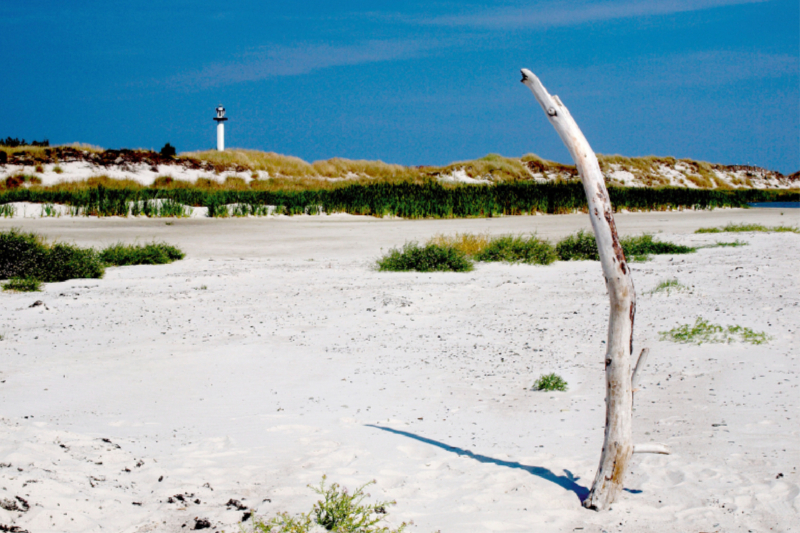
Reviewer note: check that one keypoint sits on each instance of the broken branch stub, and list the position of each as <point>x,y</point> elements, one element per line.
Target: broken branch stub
<point>618,444</point>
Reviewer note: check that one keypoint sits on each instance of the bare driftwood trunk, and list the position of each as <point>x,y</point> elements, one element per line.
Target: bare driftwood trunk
<point>618,444</point>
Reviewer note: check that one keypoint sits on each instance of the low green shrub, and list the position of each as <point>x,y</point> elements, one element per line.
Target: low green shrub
<point>579,247</point>
<point>428,258</point>
<point>337,511</point>
<point>582,247</point>
<point>26,255</point>
<point>66,261</point>
<point>646,245</point>
<point>550,382</point>
<point>22,285</point>
<point>516,249</point>
<point>155,253</point>
<point>704,331</point>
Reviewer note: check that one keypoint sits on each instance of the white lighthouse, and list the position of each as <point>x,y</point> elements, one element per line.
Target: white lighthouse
<point>220,118</point>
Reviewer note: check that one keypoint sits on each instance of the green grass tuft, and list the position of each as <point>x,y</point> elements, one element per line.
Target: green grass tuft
<point>22,285</point>
<point>733,244</point>
<point>337,511</point>
<point>741,228</point>
<point>668,286</point>
<point>518,249</point>
<point>7,211</point>
<point>156,253</point>
<point>550,382</point>
<point>704,331</point>
<point>428,258</point>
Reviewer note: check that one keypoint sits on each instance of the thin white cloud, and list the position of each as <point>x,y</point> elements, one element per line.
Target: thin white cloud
<point>715,68</point>
<point>268,62</point>
<point>697,69</point>
<point>563,13</point>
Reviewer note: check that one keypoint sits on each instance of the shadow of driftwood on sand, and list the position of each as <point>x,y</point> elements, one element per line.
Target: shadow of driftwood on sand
<point>566,481</point>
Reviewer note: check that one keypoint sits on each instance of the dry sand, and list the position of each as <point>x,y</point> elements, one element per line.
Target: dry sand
<point>274,354</point>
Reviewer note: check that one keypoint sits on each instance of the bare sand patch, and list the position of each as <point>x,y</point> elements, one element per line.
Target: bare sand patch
<point>275,354</point>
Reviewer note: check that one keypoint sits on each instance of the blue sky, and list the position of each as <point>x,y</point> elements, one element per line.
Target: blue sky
<point>409,82</point>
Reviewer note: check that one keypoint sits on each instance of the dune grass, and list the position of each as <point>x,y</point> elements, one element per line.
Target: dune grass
<point>155,253</point>
<point>668,286</point>
<point>518,249</point>
<point>743,228</point>
<point>27,255</point>
<point>645,245</point>
<point>514,249</point>
<point>508,248</point>
<point>703,331</point>
<point>582,247</point>
<point>579,247</point>
<point>338,511</point>
<point>22,285</point>
<point>550,382</point>
<point>427,258</point>
<point>468,243</point>
<point>734,244</point>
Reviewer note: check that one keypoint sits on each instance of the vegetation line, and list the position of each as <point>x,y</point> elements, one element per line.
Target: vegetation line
<point>408,200</point>
<point>456,253</point>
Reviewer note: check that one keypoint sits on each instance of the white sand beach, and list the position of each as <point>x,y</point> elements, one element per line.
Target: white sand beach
<point>274,353</point>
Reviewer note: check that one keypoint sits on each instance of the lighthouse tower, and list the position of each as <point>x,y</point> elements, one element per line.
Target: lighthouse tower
<point>220,119</point>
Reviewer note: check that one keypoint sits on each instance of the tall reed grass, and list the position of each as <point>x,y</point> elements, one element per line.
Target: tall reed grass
<point>408,200</point>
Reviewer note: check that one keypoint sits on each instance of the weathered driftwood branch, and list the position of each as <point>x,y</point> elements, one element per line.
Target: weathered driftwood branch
<point>618,446</point>
<point>639,365</point>
<point>651,448</point>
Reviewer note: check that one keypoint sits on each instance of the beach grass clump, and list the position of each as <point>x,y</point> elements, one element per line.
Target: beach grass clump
<point>734,244</point>
<point>583,247</point>
<point>22,285</point>
<point>518,249</point>
<point>428,258</point>
<point>703,331</point>
<point>338,511</point>
<point>27,255</point>
<point>579,247</point>
<point>668,286</point>
<point>469,243</point>
<point>550,382</point>
<point>155,253</point>
<point>742,228</point>
<point>644,245</point>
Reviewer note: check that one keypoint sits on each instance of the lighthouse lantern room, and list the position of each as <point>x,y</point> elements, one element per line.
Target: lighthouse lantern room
<point>220,119</point>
